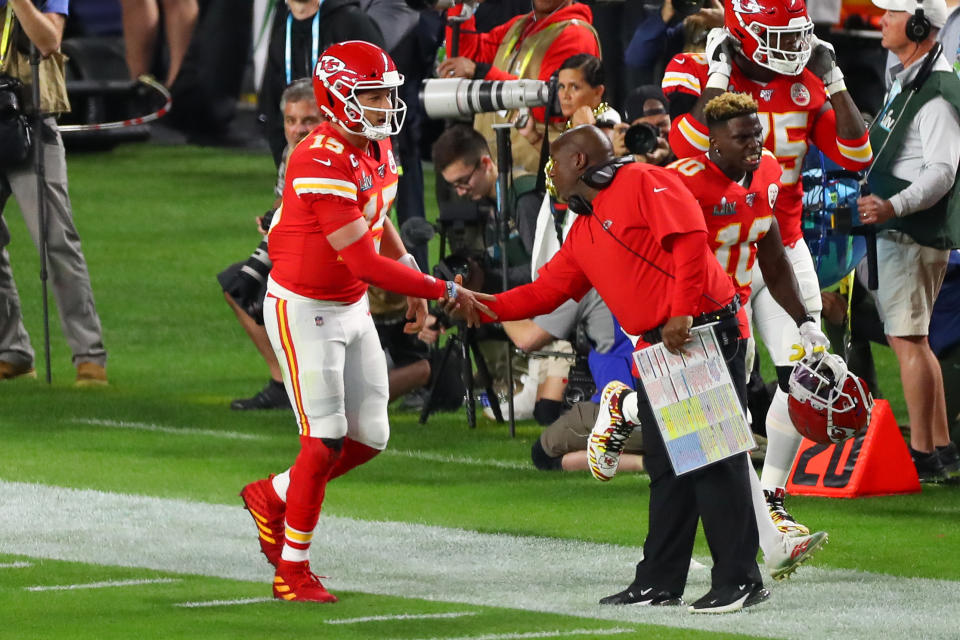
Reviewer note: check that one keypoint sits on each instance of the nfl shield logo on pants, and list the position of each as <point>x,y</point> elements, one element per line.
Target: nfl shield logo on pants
<point>318,320</point>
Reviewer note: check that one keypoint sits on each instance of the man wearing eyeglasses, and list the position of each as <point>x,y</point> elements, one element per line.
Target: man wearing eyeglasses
<point>462,156</point>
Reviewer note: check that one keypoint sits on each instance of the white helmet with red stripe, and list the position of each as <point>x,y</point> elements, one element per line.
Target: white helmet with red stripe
<point>775,34</point>
<point>827,403</point>
<point>350,67</point>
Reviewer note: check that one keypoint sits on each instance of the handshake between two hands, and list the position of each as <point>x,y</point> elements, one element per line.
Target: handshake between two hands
<point>458,302</point>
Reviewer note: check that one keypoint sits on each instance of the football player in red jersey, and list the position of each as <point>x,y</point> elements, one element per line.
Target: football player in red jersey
<point>330,238</point>
<point>767,49</point>
<point>737,183</point>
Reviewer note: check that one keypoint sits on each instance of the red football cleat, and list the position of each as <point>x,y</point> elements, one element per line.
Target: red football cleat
<point>267,510</point>
<point>295,581</point>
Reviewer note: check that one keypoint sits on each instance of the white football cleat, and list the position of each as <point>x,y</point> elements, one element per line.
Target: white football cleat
<point>792,551</point>
<point>610,432</point>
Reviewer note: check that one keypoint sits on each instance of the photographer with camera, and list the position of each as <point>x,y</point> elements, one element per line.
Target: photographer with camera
<point>462,157</point>
<point>649,127</point>
<point>23,26</point>
<point>532,45</point>
<point>245,283</point>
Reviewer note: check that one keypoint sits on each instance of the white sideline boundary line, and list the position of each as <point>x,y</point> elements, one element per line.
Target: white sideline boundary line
<point>101,585</point>
<point>221,603</point>
<point>402,616</point>
<point>399,559</point>
<point>185,431</point>
<point>15,565</point>
<point>542,634</point>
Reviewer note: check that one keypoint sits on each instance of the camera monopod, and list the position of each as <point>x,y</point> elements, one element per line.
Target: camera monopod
<point>504,211</point>
<point>38,164</point>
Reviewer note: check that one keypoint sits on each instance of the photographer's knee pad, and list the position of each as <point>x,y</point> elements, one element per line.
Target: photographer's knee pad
<point>542,461</point>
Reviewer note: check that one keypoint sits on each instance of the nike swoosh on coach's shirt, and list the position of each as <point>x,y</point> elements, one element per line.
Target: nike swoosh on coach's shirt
<point>658,190</point>
<point>323,162</point>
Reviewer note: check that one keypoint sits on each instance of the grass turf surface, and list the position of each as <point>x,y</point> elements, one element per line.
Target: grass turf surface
<point>157,224</point>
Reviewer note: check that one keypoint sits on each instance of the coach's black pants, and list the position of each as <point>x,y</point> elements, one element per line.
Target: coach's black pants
<point>719,494</point>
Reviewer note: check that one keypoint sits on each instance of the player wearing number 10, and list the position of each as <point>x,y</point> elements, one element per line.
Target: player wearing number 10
<point>737,183</point>
<point>767,49</point>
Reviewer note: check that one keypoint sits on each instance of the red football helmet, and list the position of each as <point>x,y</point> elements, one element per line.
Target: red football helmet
<point>353,66</point>
<point>775,34</point>
<point>827,403</point>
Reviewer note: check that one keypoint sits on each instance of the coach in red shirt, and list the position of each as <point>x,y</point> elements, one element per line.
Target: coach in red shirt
<point>641,242</point>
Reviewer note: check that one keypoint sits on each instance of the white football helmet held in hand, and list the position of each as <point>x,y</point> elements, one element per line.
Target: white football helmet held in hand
<point>827,403</point>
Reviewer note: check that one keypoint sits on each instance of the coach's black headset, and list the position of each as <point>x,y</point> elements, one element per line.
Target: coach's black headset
<point>918,26</point>
<point>599,176</point>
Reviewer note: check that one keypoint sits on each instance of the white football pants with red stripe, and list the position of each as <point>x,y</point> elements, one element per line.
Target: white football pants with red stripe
<point>334,369</point>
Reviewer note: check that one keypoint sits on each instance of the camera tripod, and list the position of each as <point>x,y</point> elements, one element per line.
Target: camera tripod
<point>465,343</point>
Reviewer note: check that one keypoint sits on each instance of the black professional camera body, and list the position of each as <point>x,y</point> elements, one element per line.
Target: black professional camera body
<point>641,138</point>
<point>246,282</point>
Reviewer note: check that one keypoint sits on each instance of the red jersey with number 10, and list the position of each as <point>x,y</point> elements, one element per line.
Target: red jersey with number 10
<point>736,216</point>
<point>329,183</point>
<point>791,113</point>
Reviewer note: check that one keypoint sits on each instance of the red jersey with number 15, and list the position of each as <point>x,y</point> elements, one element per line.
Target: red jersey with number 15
<point>329,183</point>
<point>736,215</point>
<point>791,113</point>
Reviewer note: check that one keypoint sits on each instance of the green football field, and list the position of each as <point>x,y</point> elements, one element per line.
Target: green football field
<point>120,515</point>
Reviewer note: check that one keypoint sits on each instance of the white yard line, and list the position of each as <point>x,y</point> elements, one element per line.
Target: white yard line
<point>222,603</point>
<point>443,457</point>
<point>101,585</point>
<point>185,431</point>
<point>402,616</point>
<point>15,565</point>
<point>236,435</point>
<point>453,565</point>
<point>541,634</point>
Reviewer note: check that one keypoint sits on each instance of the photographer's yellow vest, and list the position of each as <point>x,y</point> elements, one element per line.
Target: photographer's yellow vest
<point>15,62</point>
<point>523,58</point>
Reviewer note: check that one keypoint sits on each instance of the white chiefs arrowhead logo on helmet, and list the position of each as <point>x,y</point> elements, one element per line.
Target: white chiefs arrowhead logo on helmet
<point>748,6</point>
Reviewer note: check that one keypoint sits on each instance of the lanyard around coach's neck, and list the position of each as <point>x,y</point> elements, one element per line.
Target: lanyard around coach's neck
<point>314,42</point>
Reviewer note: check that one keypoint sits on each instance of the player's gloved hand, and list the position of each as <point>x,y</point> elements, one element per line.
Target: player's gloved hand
<point>813,342</point>
<point>823,64</point>
<point>719,54</point>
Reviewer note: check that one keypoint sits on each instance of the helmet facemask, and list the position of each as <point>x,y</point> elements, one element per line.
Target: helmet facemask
<point>830,390</point>
<point>354,111</point>
<point>772,44</point>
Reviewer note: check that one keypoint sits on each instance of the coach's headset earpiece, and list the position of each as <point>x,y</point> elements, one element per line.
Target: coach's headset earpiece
<point>918,26</point>
<point>598,177</point>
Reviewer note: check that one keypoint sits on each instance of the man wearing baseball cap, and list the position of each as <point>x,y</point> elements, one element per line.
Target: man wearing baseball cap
<point>916,143</point>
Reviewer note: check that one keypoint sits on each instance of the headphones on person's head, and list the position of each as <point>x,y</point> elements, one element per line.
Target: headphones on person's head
<point>598,176</point>
<point>918,26</point>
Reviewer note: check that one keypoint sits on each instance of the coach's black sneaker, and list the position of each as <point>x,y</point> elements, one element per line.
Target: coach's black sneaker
<point>645,597</point>
<point>730,598</point>
<point>272,396</point>
<point>929,466</point>
<point>950,459</point>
